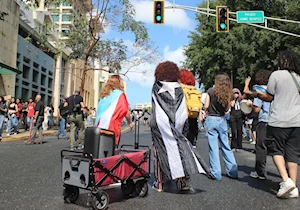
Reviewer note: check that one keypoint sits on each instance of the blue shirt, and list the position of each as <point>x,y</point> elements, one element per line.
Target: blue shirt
<point>263,115</point>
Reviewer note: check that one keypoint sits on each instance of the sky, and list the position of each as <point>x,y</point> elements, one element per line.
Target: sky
<point>168,38</point>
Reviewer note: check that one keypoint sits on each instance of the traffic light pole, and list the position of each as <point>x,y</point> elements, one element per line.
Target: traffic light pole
<point>207,11</point>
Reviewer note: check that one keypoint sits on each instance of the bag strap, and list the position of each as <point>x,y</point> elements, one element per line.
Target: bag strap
<point>295,81</point>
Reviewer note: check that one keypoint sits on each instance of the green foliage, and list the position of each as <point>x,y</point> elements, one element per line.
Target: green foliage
<point>245,49</point>
<point>120,17</point>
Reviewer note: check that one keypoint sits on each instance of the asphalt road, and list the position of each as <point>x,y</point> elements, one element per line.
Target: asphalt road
<point>30,179</point>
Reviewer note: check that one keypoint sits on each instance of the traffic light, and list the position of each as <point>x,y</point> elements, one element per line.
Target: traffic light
<point>159,12</point>
<point>222,19</point>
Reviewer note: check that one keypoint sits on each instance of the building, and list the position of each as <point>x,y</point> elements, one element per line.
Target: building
<point>8,47</point>
<point>35,56</point>
<point>73,78</point>
<point>143,106</point>
<point>68,73</point>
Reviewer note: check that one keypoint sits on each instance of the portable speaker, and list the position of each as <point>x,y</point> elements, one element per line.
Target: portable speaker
<point>99,142</point>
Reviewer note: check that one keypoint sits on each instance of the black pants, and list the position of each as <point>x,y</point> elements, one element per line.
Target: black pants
<point>193,130</point>
<point>236,131</point>
<point>261,148</point>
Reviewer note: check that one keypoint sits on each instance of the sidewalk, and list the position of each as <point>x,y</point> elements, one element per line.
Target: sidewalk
<point>24,135</point>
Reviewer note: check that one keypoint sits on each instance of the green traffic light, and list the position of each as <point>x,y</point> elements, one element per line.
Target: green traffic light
<point>158,18</point>
<point>223,26</point>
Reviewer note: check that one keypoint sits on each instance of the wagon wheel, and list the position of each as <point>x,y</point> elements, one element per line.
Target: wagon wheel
<point>141,188</point>
<point>128,187</point>
<point>71,194</point>
<point>101,200</point>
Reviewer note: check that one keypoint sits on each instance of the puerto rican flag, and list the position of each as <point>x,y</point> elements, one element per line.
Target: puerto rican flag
<point>111,111</point>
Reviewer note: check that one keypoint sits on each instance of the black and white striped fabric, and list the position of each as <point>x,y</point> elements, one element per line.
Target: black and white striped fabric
<point>169,123</point>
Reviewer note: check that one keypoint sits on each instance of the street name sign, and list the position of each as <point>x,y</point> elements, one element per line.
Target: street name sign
<point>250,16</point>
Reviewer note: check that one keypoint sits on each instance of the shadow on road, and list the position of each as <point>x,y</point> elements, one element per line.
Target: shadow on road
<point>267,185</point>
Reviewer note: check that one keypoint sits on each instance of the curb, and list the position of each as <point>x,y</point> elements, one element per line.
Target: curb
<point>19,138</point>
<point>48,133</point>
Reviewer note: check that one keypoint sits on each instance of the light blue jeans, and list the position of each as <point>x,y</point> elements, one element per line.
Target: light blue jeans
<point>12,123</point>
<point>1,124</point>
<point>216,129</point>
<point>62,126</point>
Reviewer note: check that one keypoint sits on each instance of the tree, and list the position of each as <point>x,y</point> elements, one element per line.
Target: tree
<point>245,49</point>
<point>86,43</point>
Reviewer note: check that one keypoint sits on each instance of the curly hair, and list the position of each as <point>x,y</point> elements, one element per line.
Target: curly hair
<point>167,71</point>
<point>289,60</point>
<point>223,89</point>
<point>113,83</point>
<point>186,77</point>
<point>262,76</point>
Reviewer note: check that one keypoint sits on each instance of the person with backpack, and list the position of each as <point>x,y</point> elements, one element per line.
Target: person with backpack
<point>193,103</point>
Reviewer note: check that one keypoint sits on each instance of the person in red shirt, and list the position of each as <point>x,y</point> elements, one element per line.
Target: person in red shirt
<point>19,113</point>
<point>30,111</point>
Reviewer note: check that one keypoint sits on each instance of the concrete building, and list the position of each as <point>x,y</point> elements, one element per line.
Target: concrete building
<point>35,56</point>
<point>73,77</point>
<point>8,47</point>
<point>69,73</point>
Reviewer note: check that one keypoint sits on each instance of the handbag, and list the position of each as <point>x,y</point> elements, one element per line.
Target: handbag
<point>296,83</point>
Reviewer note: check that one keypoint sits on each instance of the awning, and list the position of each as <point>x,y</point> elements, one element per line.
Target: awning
<point>5,69</point>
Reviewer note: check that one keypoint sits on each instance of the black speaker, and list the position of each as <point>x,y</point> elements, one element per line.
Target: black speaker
<point>99,142</point>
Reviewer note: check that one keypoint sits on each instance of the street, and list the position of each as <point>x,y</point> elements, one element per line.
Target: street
<point>31,180</point>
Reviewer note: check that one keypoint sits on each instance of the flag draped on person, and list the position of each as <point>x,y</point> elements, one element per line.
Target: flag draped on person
<point>169,123</point>
<point>111,111</point>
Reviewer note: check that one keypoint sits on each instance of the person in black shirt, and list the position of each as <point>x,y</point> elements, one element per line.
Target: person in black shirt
<point>63,112</point>
<point>76,106</point>
<point>217,103</point>
<point>37,121</point>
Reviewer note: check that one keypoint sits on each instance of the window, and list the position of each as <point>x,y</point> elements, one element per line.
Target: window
<point>65,32</point>
<point>55,18</point>
<point>65,4</point>
<point>26,72</point>
<point>66,18</point>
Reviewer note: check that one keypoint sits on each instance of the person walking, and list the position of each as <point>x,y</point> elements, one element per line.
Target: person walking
<point>193,102</point>
<point>12,117</point>
<point>217,103</point>
<point>24,115</point>
<point>283,91</point>
<point>113,107</point>
<point>76,106</point>
<point>3,110</point>
<point>263,109</point>
<point>236,121</point>
<point>30,113</point>
<point>19,113</point>
<point>62,114</point>
<point>174,156</point>
<point>37,121</point>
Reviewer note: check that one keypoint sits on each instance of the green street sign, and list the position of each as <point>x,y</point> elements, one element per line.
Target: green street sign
<point>250,16</point>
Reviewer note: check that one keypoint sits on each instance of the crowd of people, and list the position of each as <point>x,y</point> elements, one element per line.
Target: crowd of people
<point>178,108</point>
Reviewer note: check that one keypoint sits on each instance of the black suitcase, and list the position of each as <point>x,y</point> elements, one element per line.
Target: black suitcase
<point>99,142</point>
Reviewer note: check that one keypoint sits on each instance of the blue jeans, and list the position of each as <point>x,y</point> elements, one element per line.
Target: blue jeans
<point>216,129</point>
<point>62,126</point>
<point>12,123</point>
<point>1,124</point>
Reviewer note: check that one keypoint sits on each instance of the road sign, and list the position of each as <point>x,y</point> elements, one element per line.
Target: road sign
<point>250,16</point>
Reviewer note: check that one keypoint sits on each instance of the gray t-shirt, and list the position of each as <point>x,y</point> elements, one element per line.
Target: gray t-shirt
<point>285,107</point>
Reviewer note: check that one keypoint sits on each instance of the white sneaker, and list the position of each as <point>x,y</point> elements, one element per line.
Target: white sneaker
<point>8,134</point>
<point>285,188</point>
<point>254,175</point>
<point>253,142</point>
<point>294,193</point>
<point>250,140</point>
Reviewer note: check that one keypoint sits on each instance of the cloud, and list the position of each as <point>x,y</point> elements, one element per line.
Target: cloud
<point>175,18</point>
<point>146,79</point>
